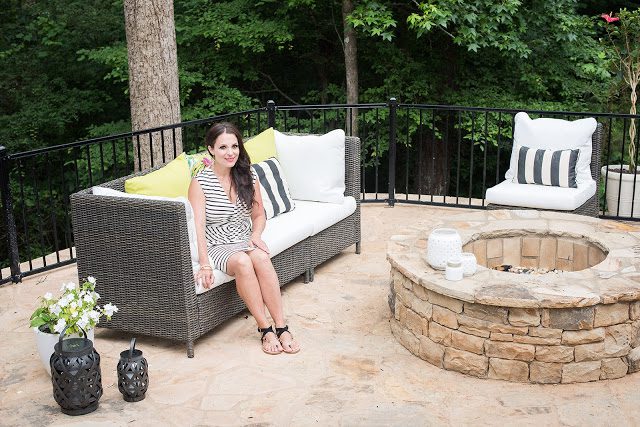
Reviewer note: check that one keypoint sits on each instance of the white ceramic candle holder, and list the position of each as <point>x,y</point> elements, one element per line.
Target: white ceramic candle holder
<point>454,270</point>
<point>469,263</point>
<point>443,243</point>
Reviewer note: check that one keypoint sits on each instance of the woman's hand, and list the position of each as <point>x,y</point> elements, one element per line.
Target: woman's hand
<point>257,242</point>
<point>204,276</point>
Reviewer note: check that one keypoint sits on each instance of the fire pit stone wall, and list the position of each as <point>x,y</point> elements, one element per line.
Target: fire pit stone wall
<point>573,326</point>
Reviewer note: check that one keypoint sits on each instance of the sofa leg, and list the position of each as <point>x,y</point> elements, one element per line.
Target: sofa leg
<point>357,247</point>
<point>190,349</point>
<point>311,273</point>
<point>307,276</point>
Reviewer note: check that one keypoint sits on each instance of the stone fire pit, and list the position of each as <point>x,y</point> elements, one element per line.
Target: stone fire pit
<point>580,324</point>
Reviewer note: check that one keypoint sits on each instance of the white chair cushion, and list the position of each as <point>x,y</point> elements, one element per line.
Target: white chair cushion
<point>555,134</point>
<point>540,196</point>
<point>313,165</point>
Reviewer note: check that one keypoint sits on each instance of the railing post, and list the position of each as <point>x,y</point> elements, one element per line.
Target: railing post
<point>393,112</point>
<point>271,113</point>
<point>7,207</point>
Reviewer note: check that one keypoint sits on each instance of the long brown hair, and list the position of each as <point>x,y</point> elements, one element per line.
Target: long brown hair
<point>241,177</point>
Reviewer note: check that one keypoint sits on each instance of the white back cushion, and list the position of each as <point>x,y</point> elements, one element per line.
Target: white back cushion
<point>554,134</point>
<point>313,165</point>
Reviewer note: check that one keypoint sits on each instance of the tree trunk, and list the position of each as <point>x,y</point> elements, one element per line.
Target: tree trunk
<point>434,164</point>
<point>632,127</point>
<point>351,67</point>
<point>153,79</point>
<point>435,152</point>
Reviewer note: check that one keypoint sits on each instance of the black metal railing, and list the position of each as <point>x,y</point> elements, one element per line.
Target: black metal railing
<point>463,151</point>
<point>36,185</point>
<point>411,153</point>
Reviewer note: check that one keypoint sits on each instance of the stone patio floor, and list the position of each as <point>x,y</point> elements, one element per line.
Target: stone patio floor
<point>351,370</point>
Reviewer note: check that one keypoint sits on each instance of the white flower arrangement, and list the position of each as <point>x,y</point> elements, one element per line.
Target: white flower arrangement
<point>77,307</point>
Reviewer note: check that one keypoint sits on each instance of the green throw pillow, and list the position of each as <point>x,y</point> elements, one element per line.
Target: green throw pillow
<point>171,180</point>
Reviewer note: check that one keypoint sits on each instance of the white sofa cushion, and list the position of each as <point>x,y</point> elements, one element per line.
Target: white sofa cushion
<point>306,220</point>
<point>540,196</point>
<point>313,165</point>
<point>284,231</point>
<point>324,215</point>
<point>555,134</point>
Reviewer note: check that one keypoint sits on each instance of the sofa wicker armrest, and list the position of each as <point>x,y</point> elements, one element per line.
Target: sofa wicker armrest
<point>146,242</point>
<point>352,167</point>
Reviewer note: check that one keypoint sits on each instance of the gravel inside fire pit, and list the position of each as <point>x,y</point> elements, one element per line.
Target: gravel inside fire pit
<point>525,270</point>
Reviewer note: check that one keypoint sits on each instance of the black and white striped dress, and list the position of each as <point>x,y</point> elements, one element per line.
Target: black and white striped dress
<point>227,225</point>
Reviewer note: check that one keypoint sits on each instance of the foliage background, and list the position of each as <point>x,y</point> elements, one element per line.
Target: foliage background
<point>64,77</point>
<point>63,66</point>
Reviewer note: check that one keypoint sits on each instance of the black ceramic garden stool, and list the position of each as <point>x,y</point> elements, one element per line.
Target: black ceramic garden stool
<point>75,375</point>
<point>133,374</point>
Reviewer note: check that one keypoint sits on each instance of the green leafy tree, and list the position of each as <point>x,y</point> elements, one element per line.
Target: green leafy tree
<point>50,96</point>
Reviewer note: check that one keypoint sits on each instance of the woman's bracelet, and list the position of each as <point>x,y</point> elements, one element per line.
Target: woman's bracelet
<point>205,267</point>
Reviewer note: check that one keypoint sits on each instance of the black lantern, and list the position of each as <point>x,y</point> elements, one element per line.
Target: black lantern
<point>133,374</point>
<point>75,375</point>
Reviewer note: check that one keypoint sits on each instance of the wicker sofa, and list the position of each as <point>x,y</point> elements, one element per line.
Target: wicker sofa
<point>139,252</point>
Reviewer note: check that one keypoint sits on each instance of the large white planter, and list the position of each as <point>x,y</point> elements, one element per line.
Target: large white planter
<point>46,341</point>
<point>625,183</point>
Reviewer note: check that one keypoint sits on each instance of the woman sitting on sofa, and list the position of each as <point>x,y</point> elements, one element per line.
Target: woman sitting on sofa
<point>229,220</point>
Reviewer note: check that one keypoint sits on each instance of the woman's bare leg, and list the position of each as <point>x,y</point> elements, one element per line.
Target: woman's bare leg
<point>248,287</point>
<point>270,288</point>
<point>269,285</point>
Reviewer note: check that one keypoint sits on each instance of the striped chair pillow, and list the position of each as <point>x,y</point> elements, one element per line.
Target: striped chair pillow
<point>273,188</point>
<point>546,167</point>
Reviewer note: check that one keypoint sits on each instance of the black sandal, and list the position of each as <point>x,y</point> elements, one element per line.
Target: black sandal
<point>280,331</point>
<point>264,332</point>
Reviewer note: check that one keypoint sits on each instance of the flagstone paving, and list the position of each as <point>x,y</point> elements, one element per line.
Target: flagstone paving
<point>351,370</point>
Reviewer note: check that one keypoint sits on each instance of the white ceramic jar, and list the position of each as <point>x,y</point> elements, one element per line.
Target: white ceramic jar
<point>443,243</point>
<point>454,270</point>
<point>469,263</point>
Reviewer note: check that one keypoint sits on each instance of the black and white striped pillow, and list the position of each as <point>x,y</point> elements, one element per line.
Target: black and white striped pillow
<point>546,167</point>
<point>273,188</point>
